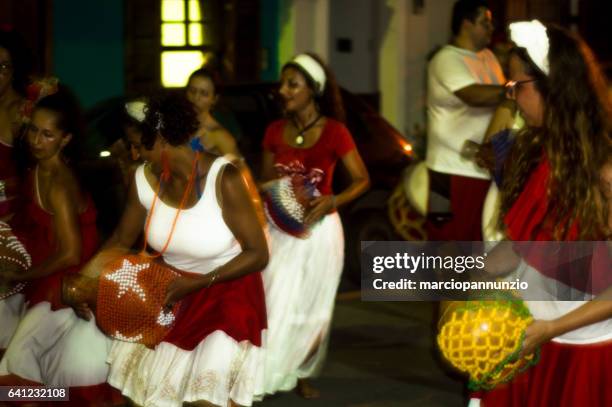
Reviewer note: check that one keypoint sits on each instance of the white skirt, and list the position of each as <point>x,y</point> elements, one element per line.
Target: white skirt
<point>300,282</point>
<point>11,312</point>
<point>57,348</point>
<point>217,370</point>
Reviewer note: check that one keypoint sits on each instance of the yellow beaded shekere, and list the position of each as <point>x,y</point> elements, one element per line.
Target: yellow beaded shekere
<point>483,339</point>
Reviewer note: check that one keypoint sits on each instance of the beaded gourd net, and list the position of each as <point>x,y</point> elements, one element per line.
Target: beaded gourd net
<point>130,300</point>
<point>13,257</point>
<point>483,339</point>
<point>287,202</point>
<point>131,288</point>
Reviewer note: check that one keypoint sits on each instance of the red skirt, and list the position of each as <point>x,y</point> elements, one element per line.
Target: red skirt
<point>236,307</point>
<point>566,376</point>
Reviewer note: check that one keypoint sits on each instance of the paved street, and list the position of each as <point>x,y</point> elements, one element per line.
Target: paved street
<point>381,355</point>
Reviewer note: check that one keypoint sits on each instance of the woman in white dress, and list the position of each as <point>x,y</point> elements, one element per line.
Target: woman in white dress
<point>304,272</point>
<point>202,221</point>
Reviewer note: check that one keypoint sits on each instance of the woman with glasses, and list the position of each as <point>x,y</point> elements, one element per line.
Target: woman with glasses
<point>556,187</point>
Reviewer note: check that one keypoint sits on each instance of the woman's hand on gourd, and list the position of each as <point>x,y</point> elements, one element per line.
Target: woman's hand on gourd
<point>537,333</point>
<point>320,207</point>
<point>181,287</point>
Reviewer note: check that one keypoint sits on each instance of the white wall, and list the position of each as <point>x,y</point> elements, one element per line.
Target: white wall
<point>304,27</point>
<point>356,20</point>
<point>390,47</point>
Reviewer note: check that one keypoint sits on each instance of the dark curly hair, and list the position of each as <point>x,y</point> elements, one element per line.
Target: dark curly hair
<point>172,117</point>
<point>330,102</point>
<point>576,136</point>
<point>21,59</point>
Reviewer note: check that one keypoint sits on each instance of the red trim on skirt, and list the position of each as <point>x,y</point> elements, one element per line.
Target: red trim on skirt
<point>236,307</point>
<point>566,376</point>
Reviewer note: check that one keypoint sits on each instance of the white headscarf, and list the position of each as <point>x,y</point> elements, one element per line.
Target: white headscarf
<point>313,69</point>
<point>532,36</point>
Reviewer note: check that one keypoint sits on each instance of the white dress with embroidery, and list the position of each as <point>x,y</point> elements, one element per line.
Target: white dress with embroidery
<point>219,368</point>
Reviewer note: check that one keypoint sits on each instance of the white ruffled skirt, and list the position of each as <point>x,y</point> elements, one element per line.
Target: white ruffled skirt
<point>300,282</point>
<point>217,370</point>
<point>11,312</point>
<point>57,348</point>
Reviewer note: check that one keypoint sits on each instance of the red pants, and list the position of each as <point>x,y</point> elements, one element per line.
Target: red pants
<point>467,197</point>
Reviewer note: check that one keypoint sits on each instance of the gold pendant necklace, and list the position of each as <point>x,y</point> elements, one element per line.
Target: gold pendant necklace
<point>299,138</point>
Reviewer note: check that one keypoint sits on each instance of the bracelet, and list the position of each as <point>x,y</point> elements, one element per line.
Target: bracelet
<point>214,277</point>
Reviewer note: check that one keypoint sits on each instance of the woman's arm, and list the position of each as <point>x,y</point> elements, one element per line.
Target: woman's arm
<point>360,182</point>
<point>591,312</point>
<point>241,218</point>
<point>225,143</point>
<point>502,119</point>
<point>131,223</point>
<point>267,166</point>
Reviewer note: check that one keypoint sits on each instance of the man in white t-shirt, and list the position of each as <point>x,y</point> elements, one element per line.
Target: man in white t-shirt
<point>465,83</point>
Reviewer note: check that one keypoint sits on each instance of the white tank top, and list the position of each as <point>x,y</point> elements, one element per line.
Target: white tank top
<point>202,241</point>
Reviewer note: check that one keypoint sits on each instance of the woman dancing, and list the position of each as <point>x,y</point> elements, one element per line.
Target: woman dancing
<point>200,218</point>
<point>556,187</point>
<point>303,275</point>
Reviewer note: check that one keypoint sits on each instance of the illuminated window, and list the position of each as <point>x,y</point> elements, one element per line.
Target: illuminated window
<point>183,29</point>
<point>178,65</point>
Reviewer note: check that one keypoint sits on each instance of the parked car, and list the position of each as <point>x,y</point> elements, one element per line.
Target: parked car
<point>246,110</point>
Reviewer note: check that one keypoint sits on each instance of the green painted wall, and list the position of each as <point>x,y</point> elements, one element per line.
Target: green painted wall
<point>269,39</point>
<point>277,35</point>
<point>88,48</point>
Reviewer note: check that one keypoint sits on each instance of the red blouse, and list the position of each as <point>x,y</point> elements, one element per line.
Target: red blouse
<point>316,162</point>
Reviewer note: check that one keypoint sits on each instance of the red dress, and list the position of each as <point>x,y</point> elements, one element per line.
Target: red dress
<point>34,227</point>
<point>567,374</point>
<point>318,161</point>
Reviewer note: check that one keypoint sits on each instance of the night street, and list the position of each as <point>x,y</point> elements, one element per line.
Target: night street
<point>381,355</point>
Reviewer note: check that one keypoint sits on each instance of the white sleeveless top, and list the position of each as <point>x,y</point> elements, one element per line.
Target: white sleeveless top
<point>202,241</point>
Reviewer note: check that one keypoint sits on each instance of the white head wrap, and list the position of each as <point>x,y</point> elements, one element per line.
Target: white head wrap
<point>312,68</point>
<point>532,36</point>
<point>136,110</point>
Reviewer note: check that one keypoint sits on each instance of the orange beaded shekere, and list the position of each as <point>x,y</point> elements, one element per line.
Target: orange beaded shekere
<point>130,306</point>
<point>132,289</point>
